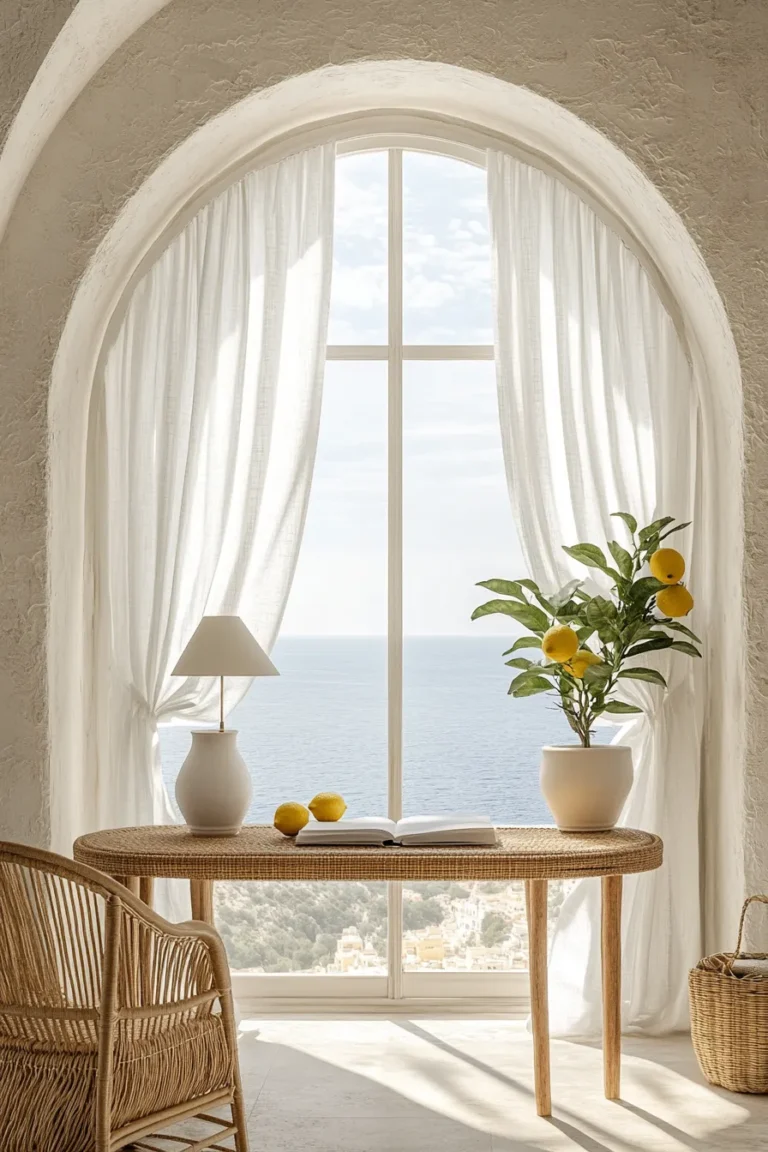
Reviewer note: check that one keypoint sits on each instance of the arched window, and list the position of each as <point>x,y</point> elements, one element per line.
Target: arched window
<point>388,692</point>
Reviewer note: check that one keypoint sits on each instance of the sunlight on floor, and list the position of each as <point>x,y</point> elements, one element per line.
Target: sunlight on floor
<point>317,1085</point>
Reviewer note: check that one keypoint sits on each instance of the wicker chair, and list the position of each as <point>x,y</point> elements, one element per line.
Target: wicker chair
<point>114,1024</point>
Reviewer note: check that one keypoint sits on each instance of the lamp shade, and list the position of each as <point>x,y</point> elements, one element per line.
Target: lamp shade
<point>223,646</point>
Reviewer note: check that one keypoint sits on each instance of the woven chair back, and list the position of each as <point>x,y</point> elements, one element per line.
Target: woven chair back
<point>52,934</point>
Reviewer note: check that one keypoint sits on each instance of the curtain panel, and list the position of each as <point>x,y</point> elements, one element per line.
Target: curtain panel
<point>203,434</point>
<point>599,414</point>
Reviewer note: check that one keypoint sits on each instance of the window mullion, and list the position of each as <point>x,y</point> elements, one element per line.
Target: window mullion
<point>411,352</point>
<point>395,550</point>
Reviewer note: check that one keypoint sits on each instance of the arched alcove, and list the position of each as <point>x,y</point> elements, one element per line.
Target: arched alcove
<point>255,130</point>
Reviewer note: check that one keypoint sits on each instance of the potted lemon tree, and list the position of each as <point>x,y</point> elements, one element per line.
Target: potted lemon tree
<point>588,646</point>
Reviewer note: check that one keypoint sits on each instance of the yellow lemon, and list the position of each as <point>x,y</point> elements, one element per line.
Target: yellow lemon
<point>290,818</point>
<point>667,565</point>
<point>327,806</point>
<point>674,601</point>
<point>579,663</point>
<point>560,643</point>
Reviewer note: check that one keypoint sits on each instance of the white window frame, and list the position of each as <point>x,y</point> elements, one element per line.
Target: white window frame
<point>503,993</point>
<point>374,130</point>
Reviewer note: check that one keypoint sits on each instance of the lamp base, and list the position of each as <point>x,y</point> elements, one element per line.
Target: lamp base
<point>213,788</point>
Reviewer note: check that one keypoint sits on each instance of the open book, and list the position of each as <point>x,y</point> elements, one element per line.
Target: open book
<point>455,828</point>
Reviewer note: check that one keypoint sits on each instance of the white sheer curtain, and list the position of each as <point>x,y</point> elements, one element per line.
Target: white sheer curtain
<point>598,415</point>
<point>202,447</point>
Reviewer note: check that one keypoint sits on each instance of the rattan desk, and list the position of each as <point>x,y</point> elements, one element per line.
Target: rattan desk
<point>535,855</point>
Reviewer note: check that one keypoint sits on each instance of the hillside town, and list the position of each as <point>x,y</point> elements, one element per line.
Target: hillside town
<point>342,928</point>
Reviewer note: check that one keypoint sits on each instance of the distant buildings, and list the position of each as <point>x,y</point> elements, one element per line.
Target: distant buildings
<point>353,954</point>
<point>474,926</point>
<point>457,943</point>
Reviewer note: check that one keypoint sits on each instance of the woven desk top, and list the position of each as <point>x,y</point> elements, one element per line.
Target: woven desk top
<point>262,853</point>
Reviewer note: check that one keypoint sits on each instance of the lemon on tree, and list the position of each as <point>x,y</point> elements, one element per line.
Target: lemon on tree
<point>290,818</point>
<point>675,601</point>
<point>590,640</point>
<point>579,663</point>
<point>327,806</point>
<point>560,643</point>
<point>667,565</point>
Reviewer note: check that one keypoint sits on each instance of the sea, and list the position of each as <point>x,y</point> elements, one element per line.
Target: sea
<point>321,726</point>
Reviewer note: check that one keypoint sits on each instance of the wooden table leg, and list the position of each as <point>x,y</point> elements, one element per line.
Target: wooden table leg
<point>611,948</point>
<point>536,913</point>
<point>147,889</point>
<point>201,894</point>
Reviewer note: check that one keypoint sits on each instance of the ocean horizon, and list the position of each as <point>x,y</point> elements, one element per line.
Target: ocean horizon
<point>322,726</point>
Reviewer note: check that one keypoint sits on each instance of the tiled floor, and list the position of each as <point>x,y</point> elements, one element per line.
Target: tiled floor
<point>366,1085</point>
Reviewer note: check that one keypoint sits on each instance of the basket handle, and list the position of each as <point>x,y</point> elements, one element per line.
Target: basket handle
<point>747,902</point>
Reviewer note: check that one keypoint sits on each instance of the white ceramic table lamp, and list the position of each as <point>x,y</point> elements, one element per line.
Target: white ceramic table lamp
<point>213,788</point>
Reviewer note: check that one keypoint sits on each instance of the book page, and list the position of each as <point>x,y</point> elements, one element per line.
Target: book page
<point>353,824</point>
<point>412,825</point>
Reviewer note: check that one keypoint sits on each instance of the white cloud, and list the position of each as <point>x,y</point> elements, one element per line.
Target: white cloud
<point>361,198</point>
<point>421,292</point>
<point>446,254</point>
<point>362,287</point>
<point>457,518</point>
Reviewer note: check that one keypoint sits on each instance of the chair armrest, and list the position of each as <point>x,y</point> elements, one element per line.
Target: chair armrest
<point>166,963</point>
<point>210,938</point>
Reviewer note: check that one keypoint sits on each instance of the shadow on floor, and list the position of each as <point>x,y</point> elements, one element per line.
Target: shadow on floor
<point>398,1085</point>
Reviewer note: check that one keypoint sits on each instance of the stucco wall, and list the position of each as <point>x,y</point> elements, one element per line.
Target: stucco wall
<point>680,86</point>
<point>27,32</point>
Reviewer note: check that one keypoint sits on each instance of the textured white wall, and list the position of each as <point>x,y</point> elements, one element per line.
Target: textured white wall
<point>28,32</point>
<point>55,53</point>
<point>679,85</point>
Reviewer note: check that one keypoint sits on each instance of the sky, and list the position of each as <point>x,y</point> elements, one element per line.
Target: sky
<point>457,524</point>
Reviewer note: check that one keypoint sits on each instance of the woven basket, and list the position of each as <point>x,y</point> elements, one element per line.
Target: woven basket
<point>729,1018</point>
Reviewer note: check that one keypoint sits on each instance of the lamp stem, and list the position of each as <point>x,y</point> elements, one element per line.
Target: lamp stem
<point>221,721</point>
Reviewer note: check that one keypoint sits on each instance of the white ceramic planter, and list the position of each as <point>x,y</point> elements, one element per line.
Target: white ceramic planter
<point>585,788</point>
<point>213,788</point>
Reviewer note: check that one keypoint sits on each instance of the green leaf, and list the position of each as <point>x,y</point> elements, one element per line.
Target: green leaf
<point>519,662</point>
<point>526,614</point>
<point>504,588</point>
<point>651,530</point>
<point>622,558</point>
<point>653,645</point>
<point>533,587</point>
<point>640,630</point>
<point>593,557</point>
<point>523,642</point>
<point>684,646</point>
<point>677,528</point>
<point>531,686</point>
<point>642,590</point>
<point>588,554</point>
<point>630,521</point>
<point>649,674</point>
<point>569,611</point>
<point>600,610</point>
<point>597,675</point>
<point>584,634</point>
<point>602,615</point>
<point>619,708</point>
<point>676,626</point>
